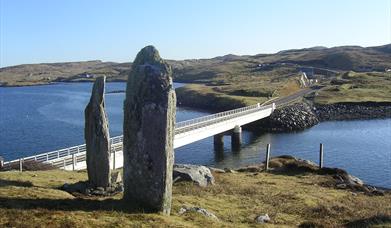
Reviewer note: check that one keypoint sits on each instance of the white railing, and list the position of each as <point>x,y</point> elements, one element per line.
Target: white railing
<point>63,157</point>
<point>196,123</point>
<point>214,116</point>
<point>66,152</point>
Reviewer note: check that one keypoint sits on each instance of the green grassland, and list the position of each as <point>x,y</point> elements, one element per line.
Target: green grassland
<point>33,199</point>
<point>351,87</point>
<point>224,93</point>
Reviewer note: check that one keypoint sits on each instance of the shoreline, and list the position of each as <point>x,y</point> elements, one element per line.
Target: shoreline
<point>43,83</point>
<point>303,165</point>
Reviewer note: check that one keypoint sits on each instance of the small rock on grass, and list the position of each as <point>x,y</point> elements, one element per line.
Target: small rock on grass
<point>262,218</point>
<point>200,210</point>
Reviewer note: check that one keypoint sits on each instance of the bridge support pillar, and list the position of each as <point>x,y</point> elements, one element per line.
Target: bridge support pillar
<point>218,142</point>
<point>236,138</point>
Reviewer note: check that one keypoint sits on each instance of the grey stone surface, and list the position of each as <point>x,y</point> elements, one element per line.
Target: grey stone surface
<point>149,119</point>
<point>216,170</point>
<point>262,218</point>
<point>354,180</point>
<point>198,174</point>
<point>202,211</point>
<point>96,133</point>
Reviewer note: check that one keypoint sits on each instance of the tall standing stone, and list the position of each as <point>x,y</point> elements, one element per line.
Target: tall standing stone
<point>96,133</point>
<point>149,121</point>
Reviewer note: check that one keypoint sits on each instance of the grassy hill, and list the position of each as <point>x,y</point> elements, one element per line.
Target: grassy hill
<point>241,80</point>
<point>201,70</point>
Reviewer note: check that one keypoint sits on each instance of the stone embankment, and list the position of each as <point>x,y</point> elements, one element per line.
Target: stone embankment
<point>291,118</point>
<point>350,111</point>
<point>301,116</point>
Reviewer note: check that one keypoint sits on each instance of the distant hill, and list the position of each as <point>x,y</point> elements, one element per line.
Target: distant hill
<point>342,58</point>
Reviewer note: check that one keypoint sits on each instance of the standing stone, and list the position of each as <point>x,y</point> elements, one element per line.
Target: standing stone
<point>96,133</point>
<point>149,121</point>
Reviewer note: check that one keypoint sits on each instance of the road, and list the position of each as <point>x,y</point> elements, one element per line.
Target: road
<point>285,100</point>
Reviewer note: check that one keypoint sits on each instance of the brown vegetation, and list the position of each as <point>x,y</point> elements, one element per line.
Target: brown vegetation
<point>291,198</point>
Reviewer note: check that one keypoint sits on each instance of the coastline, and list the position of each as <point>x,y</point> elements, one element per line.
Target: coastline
<point>44,83</point>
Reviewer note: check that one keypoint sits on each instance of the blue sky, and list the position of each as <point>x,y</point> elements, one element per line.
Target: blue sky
<point>35,31</point>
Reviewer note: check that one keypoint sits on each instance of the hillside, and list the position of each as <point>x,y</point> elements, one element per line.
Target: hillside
<point>205,70</point>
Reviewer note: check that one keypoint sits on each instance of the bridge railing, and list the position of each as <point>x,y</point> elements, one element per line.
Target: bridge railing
<point>62,157</point>
<point>218,117</point>
<point>61,153</point>
<point>187,123</point>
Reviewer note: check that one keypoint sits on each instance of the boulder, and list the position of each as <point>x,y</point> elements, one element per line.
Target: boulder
<point>96,134</point>
<point>352,180</point>
<point>149,119</point>
<point>262,218</point>
<point>198,174</point>
<point>199,210</point>
<point>216,170</point>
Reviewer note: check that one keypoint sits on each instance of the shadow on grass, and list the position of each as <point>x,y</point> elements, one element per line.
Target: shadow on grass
<point>72,205</point>
<point>372,221</point>
<point>4,183</point>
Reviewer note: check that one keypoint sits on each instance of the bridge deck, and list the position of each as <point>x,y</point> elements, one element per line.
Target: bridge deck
<point>186,132</point>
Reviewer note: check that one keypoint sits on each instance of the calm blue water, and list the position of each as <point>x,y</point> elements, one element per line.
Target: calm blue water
<point>45,118</point>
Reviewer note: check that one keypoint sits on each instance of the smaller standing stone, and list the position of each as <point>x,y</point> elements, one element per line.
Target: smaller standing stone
<point>96,133</point>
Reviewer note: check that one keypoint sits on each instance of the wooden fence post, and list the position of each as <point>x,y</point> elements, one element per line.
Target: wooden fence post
<point>20,165</point>
<point>1,162</point>
<point>73,161</point>
<point>267,157</point>
<point>114,160</point>
<point>321,156</point>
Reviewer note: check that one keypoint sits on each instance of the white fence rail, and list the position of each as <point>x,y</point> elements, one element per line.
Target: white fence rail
<point>72,155</point>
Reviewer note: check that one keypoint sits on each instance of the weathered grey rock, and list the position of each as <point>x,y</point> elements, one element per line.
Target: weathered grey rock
<point>198,174</point>
<point>308,162</point>
<point>216,170</point>
<point>202,211</point>
<point>262,218</point>
<point>352,180</point>
<point>96,133</point>
<point>149,121</point>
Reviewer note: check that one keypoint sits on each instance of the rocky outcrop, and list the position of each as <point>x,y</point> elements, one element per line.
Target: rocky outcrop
<point>198,174</point>
<point>149,120</point>
<point>96,133</point>
<point>350,111</point>
<point>290,118</point>
<point>286,164</point>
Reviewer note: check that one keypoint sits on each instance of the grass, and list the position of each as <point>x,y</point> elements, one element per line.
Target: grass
<point>32,199</point>
<point>352,87</point>
<point>243,88</point>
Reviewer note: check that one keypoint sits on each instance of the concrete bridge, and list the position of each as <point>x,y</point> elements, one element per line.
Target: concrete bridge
<point>186,132</point>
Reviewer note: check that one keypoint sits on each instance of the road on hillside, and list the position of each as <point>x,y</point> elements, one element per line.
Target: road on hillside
<point>285,100</point>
